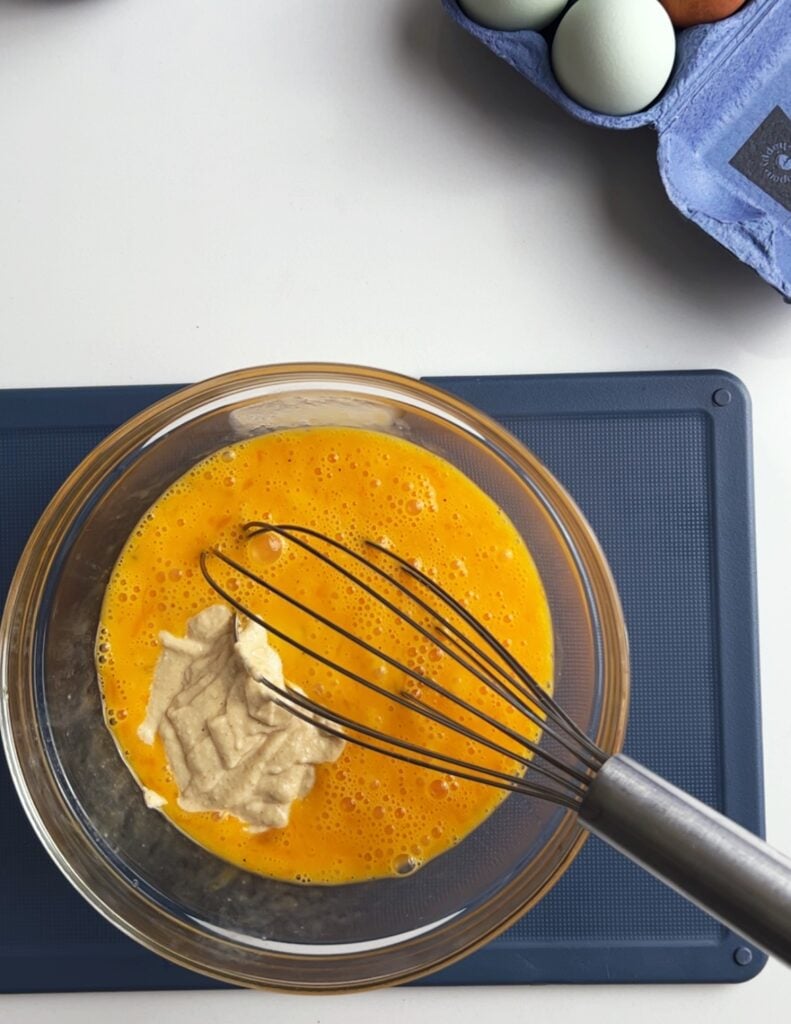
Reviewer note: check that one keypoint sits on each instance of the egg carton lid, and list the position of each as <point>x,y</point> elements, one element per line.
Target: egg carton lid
<point>724,125</point>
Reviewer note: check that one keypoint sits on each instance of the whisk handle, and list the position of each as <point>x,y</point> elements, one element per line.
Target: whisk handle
<point>711,860</point>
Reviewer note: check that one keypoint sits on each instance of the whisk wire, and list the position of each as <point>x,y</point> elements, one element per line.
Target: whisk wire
<point>311,711</point>
<point>337,724</point>
<point>567,783</point>
<point>532,691</point>
<point>402,698</point>
<point>531,688</point>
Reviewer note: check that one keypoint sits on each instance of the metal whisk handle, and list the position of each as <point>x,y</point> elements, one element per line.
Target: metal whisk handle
<point>711,860</point>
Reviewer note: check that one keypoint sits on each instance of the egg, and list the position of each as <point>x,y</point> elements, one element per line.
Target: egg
<point>684,13</point>
<point>614,56</point>
<point>513,14</point>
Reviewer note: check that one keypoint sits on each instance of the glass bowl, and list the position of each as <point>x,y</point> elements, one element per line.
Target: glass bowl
<point>144,875</point>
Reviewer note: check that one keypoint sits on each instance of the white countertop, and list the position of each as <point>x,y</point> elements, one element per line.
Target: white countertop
<point>191,186</point>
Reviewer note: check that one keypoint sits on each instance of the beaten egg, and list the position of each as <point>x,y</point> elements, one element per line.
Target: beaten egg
<point>367,815</point>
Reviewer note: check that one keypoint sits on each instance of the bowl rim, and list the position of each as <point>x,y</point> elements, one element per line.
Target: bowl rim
<point>28,582</point>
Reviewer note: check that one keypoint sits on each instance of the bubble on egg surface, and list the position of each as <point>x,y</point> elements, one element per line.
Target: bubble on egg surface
<point>513,15</point>
<point>614,56</point>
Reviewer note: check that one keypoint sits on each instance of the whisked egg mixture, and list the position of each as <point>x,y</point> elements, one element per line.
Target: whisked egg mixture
<point>367,816</point>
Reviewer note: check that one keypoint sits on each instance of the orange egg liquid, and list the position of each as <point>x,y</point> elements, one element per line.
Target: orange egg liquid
<point>368,816</point>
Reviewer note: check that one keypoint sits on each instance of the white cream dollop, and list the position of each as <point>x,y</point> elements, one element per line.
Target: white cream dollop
<point>230,747</point>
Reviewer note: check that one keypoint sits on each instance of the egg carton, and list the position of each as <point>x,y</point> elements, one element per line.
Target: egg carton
<point>723,122</point>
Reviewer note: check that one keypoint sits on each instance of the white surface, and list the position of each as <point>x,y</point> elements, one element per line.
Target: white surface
<point>191,186</point>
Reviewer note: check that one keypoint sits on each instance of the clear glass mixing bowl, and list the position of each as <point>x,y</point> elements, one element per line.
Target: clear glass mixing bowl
<point>137,869</point>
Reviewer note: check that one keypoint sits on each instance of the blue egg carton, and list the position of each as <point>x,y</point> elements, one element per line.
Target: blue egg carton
<point>724,125</point>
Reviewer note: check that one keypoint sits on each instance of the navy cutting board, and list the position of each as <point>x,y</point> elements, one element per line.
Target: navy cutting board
<point>661,466</point>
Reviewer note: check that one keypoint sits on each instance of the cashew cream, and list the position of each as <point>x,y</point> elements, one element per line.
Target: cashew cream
<point>230,747</point>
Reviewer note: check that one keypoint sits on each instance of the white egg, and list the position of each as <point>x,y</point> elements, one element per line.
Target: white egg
<point>513,14</point>
<point>614,56</point>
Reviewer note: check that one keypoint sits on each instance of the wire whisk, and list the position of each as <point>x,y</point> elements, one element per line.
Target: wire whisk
<point>705,856</point>
<point>563,780</point>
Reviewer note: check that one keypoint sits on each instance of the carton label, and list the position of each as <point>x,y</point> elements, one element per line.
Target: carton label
<point>765,158</point>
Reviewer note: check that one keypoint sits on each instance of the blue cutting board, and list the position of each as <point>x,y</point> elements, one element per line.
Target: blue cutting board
<point>661,466</point>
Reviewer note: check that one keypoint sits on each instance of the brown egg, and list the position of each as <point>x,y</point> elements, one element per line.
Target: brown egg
<point>684,13</point>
